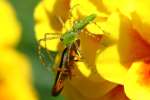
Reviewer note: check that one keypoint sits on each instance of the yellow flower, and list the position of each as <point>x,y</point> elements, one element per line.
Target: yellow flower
<point>8,38</point>
<point>15,76</point>
<point>114,56</point>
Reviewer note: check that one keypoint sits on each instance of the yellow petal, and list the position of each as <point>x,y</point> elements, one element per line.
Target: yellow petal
<point>125,6</point>
<point>116,93</point>
<point>129,41</point>
<point>111,27</point>
<point>109,66</point>
<point>137,85</point>
<point>15,76</point>
<point>140,19</point>
<point>89,46</point>
<point>85,7</point>
<point>83,68</point>
<point>58,8</point>
<point>79,86</point>
<point>9,26</point>
<point>111,5</point>
<point>118,58</point>
<point>43,25</point>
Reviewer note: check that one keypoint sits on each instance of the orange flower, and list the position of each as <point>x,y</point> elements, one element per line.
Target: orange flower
<point>15,76</point>
<point>114,53</point>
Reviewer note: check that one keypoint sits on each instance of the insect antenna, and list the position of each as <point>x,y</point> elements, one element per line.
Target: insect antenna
<point>71,9</point>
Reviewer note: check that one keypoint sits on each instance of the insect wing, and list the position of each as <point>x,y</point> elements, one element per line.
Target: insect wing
<point>61,76</point>
<point>46,57</point>
<point>59,84</point>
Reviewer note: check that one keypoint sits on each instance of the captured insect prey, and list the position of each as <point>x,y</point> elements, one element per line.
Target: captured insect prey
<point>69,56</point>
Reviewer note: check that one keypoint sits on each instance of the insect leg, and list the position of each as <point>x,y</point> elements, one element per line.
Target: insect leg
<point>77,55</point>
<point>57,69</point>
<point>71,17</point>
<point>40,53</point>
<point>99,27</point>
<point>62,22</point>
<point>77,47</point>
<point>49,38</point>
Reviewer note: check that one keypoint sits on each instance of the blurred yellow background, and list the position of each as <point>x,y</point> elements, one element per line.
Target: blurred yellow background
<point>22,77</point>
